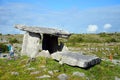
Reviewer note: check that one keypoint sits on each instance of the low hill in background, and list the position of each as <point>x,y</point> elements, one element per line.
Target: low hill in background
<point>95,38</point>
<point>74,38</point>
<point>102,44</point>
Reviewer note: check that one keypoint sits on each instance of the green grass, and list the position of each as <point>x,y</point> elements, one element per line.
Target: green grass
<point>106,70</point>
<point>102,52</point>
<point>103,71</point>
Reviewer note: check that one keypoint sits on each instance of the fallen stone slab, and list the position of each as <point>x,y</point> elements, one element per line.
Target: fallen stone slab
<point>76,59</point>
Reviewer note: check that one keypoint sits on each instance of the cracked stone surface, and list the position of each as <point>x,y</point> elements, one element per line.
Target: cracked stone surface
<point>76,59</point>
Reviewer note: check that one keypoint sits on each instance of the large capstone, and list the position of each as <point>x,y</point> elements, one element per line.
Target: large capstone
<point>76,59</point>
<point>43,30</point>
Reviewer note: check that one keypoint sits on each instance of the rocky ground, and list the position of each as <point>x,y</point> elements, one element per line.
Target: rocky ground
<point>5,55</point>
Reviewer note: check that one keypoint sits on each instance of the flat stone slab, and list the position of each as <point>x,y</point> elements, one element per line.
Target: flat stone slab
<point>43,30</point>
<point>76,59</point>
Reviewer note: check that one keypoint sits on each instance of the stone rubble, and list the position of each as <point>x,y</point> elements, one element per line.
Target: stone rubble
<point>15,73</point>
<point>44,53</point>
<point>43,66</point>
<point>63,77</point>
<point>55,71</point>
<point>51,72</point>
<point>44,76</point>
<point>31,68</point>
<point>35,72</point>
<point>117,78</point>
<point>116,61</point>
<point>79,74</point>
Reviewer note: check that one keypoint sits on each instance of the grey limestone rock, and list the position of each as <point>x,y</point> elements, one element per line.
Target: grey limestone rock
<point>30,45</point>
<point>116,61</point>
<point>44,76</point>
<point>63,77</point>
<point>44,53</point>
<point>51,72</point>
<point>80,74</point>
<point>14,73</point>
<point>30,68</point>
<point>43,30</point>
<point>76,59</point>
<point>34,35</point>
<point>35,72</point>
<point>117,78</point>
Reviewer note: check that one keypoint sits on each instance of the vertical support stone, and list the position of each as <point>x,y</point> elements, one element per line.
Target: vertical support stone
<point>31,44</point>
<point>24,44</point>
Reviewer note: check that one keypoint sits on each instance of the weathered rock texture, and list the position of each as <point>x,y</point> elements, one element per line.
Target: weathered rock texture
<point>34,35</point>
<point>30,45</point>
<point>44,53</point>
<point>76,59</point>
<point>49,38</point>
<point>63,77</point>
<point>43,30</point>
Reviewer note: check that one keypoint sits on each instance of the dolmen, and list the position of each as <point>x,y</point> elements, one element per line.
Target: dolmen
<point>41,40</point>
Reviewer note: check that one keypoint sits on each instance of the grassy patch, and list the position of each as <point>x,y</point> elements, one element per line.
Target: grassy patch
<point>103,71</point>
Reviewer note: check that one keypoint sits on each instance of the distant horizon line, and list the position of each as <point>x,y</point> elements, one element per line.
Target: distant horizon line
<point>70,33</point>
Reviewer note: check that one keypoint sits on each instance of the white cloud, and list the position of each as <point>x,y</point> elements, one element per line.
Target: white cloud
<point>92,28</point>
<point>107,26</point>
<point>30,14</point>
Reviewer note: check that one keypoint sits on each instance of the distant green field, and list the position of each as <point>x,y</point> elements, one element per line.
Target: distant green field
<point>11,37</point>
<point>95,38</point>
<point>102,44</point>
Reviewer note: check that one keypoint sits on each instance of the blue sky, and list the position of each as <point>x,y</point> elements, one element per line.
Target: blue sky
<point>75,16</point>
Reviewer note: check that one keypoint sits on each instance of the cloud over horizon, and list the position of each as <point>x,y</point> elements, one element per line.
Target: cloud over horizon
<point>107,26</point>
<point>92,28</point>
<point>72,19</point>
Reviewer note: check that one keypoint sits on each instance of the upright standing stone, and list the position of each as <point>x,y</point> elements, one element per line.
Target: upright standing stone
<point>31,44</point>
<point>24,45</point>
